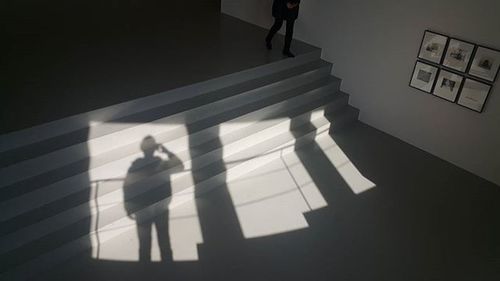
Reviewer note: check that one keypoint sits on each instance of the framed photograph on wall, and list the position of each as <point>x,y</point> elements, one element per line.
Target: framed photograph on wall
<point>448,85</point>
<point>423,77</point>
<point>433,47</point>
<point>458,55</point>
<point>474,94</point>
<point>486,64</point>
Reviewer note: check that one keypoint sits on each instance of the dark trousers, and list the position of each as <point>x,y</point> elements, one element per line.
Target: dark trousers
<point>289,32</point>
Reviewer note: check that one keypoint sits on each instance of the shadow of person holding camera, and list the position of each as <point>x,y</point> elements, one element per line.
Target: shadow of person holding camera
<point>147,182</point>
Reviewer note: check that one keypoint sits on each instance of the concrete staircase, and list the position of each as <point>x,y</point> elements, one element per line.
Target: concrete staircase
<point>62,183</point>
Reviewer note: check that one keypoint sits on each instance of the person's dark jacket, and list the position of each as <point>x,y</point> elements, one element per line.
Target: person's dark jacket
<point>281,11</point>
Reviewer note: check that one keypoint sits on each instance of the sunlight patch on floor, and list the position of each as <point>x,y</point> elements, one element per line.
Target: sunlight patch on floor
<point>185,231</point>
<point>311,192</point>
<point>273,199</point>
<point>268,203</point>
<point>351,175</point>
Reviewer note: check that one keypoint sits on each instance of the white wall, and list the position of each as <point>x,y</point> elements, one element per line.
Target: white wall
<point>373,45</point>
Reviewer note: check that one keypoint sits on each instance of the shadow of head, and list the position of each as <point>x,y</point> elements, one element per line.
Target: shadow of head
<point>149,146</point>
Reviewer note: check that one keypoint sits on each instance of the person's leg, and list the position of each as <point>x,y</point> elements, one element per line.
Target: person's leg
<point>288,37</point>
<point>161,224</point>
<point>144,233</point>
<point>275,28</point>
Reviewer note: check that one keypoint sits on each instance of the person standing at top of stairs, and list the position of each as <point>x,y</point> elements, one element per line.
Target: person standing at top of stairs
<point>284,10</point>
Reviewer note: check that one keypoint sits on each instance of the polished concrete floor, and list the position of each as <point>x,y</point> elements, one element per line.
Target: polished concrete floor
<point>50,73</point>
<point>302,218</point>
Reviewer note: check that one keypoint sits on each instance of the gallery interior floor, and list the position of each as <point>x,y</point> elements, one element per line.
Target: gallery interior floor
<point>299,217</point>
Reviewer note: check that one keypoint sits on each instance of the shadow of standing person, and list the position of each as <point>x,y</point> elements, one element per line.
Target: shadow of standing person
<point>141,190</point>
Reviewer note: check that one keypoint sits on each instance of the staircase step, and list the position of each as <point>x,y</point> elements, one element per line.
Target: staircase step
<point>268,149</point>
<point>79,122</point>
<point>112,194</point>
<point>101,129</point>
<point>13,210</point>
<point>78,154</point>
<point>36,182</point>
<point>62,189</point>
<point>69,185</point>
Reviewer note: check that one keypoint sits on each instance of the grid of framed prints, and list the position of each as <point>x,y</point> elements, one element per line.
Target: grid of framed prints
<point>455,70</point>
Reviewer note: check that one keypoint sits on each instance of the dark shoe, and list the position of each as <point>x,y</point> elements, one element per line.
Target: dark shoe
<point>269,46</point>
<point>288,54</point>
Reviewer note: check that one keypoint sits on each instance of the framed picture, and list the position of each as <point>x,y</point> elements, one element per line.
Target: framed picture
<point>433,46</point>
<point>423,77</point>
<point>448,85</point>
<point>458,55</point>
<point>485,64</point>
<point>474,94</point>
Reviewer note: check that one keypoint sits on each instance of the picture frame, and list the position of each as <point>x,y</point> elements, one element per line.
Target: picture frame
<point>486,64</point>
<point>458,54</point>
<point>433,47</point>
<point>448,85</point>
<point>423,77</point>
<point>474,94</point>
